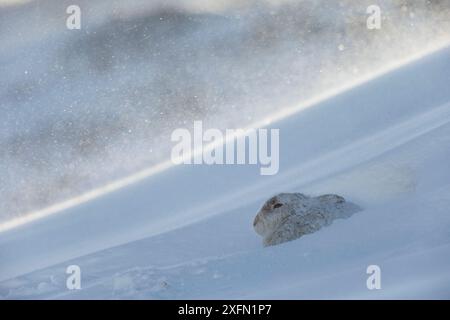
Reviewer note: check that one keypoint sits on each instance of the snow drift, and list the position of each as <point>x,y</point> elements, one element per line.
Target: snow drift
<point>186,232</point>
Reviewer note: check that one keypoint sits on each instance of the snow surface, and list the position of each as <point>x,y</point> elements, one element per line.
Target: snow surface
<point>186,232</point>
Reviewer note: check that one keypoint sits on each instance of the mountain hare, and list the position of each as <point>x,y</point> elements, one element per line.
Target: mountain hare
<point>288,216</point>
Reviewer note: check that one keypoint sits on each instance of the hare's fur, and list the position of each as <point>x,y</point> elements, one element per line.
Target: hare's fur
<point>288,216</point>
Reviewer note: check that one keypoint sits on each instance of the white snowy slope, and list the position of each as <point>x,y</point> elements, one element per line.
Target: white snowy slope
<point>186,232</point>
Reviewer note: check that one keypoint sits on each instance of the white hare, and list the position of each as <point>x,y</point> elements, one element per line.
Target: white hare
<point>288,216</point>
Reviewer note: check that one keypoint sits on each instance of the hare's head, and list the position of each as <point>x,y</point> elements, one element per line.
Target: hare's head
<point>274,212</point>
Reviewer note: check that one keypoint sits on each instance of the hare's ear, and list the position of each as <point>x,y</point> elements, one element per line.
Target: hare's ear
<point>301,196</point>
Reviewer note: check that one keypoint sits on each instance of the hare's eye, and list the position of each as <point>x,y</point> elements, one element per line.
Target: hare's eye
<point>277,205</point>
